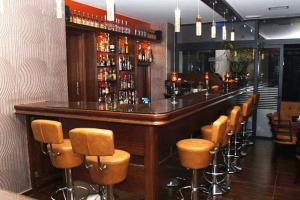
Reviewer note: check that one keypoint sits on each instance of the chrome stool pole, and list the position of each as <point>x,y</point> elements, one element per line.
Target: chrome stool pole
<point>215,188</point>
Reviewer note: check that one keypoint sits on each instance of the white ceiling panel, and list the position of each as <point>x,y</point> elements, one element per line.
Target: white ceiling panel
<point>157,11</point>
<point>260,8</point>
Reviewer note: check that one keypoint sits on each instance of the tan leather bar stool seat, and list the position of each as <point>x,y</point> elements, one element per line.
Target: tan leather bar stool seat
<point>106,165</point>
<point>67,158</point>
<point>117,166</point>
<point>194,153</point>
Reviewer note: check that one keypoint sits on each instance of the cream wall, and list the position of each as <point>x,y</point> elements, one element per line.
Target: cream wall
<point>32,68</point>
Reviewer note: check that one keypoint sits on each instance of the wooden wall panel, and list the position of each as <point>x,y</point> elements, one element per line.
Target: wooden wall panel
<point>32,68</point>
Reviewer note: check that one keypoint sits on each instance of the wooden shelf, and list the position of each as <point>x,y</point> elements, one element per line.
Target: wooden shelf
<point>145,64</point>
<point>94,29</point>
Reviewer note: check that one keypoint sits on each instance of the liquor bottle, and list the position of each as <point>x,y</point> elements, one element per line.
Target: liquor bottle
<point>113,63</point>
<point>114,75</point>
<point>126,45</point>
<point>83,20</point>
<point>120,63</point>
<point>140,53</point>
<point>143,55</point>
<point>120,46</point>
<point>97,22</point>
<point>92,21</point>
<point>79,18</point>
<point>107,61</point>
<point>107,43</point>
<point>87,20</point>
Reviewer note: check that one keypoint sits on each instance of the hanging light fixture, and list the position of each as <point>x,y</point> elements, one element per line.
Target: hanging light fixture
<point>59,14</point>
<point>110,10</point>
<point>213,24</point>
<point>232,33</point>
<point>224,30</point>
<point>198,22</point>
<point>1,7</point>
<point>177,18</point>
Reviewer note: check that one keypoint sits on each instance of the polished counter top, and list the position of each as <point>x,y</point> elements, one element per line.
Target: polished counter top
<point>157,112</point>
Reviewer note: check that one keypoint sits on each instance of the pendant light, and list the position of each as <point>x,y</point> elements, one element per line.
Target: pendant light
<point>198,22</point>
<point>232,33</point>
<point>110,10</point>
<point>177,18</point>
<point>1,7</point>
<point>213,24</point>
<point>59,14</point>
<point>224,30</point>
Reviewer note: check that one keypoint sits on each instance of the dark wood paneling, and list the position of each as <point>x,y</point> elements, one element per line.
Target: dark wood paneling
<point>90,67</point>
<point>75,61</point>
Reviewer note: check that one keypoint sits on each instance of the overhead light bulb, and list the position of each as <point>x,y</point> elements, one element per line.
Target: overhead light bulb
<point>177,19</point>
<point>224,30</point>
<point>232,35</point>
<point>213,24</point>
<point>1,7</point>
<point>213,30</point>
<point>198,26</point>
<point>59,14</point>
<point>110,10</point>
<point>198,22</point>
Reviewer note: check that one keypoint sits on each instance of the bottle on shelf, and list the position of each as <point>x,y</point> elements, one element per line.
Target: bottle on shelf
<point>140,53</point>
<point>126,46</point>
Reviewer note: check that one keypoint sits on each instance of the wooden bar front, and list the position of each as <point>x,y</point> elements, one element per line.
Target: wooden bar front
<point>149,132</point>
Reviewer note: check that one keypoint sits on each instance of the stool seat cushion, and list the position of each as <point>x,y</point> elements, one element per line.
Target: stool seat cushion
<point>67,158</point>
<point>116,171</point>
<point>206,132</point>
<point>194,153</point>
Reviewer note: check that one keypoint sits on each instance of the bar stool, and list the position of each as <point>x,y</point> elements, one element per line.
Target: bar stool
<point>255,98</point>
<point>246,113</point>
<point>60,152</point>
<point>216,135</point>
<point>107,166</point>
<point>232,128</point>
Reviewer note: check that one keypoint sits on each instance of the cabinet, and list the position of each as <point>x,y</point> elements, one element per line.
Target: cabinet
<point>107,66</point>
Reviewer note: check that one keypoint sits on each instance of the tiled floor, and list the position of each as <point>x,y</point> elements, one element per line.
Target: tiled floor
<point>262,178</point>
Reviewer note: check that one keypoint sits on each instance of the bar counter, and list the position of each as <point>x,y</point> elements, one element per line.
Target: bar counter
<point>148,132</point>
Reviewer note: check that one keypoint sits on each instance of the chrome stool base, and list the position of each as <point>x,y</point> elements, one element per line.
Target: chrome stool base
<point>104,192</point>
<point>193,187</point>
<point>68,192</point>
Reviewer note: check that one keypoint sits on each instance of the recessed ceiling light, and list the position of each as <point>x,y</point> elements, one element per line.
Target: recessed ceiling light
<point>252,16</point>
<point>278,8</point>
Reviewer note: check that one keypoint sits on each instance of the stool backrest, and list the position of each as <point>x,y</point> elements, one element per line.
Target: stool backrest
<point>246,107</point>
<point>256,97</point>
<point>47,131</point>
<point>218,130</point>
<point>92,141</point>
<point>234,117</point>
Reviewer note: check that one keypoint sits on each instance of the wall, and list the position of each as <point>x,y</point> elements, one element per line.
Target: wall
<point>164,53</point>
<point>32,68</point>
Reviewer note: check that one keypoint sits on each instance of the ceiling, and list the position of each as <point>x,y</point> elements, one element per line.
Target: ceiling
<point>259,8</point>
<point>157,11</point>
